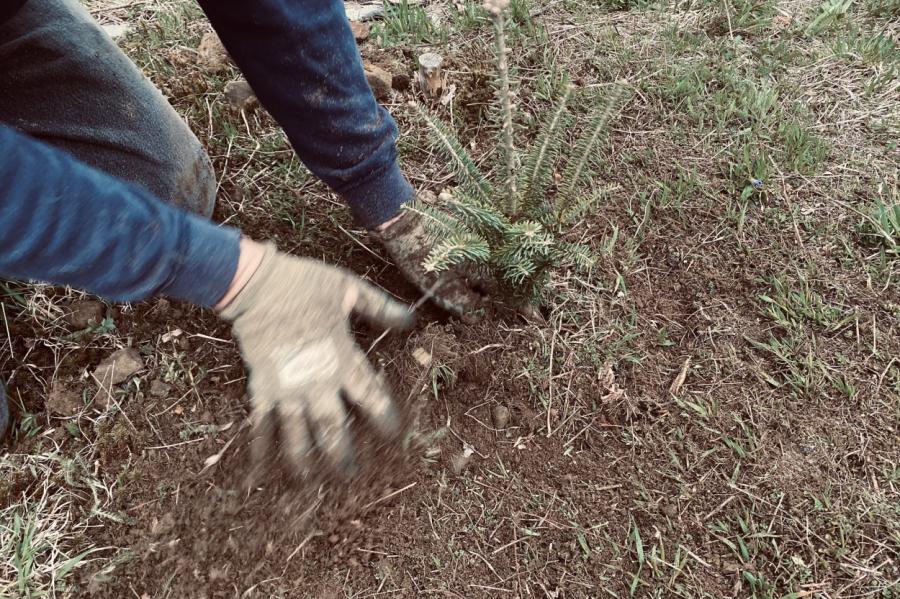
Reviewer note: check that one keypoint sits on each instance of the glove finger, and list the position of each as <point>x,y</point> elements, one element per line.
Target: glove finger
<point>261,444</point>
<point>295,435</point>
<point>368,392</point>
<point>378,307</point>
<point>330,428</point>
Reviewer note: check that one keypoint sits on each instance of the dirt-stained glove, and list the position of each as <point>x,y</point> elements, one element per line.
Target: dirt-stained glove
<point>291,322</point>
<point>408,244</point>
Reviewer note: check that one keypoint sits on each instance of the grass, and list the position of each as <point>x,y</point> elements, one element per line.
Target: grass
<point>769,471</point>
<point>43,527</point>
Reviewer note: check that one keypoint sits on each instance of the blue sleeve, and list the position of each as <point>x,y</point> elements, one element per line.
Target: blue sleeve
<point>301,60</point>
<point>66,223</point>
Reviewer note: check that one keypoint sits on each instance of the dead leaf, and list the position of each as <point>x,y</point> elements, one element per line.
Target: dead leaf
<point>422,356</point>
<point>174,333</point>
<point>606,377</point>
<point>679,380</point>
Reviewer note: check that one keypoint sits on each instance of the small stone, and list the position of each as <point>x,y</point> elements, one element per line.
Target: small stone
<point>239,94</point>
<point>84,314</point>
<point>119,366</point>
<point>379,80</point>
<point>401,82</point>
<point>213,55</point>
<point>115,30</point>
<point>160,389</point>
<point>358,12</point>
<point>360,30</point>
<point>63,401</point>
<point>500,415</point>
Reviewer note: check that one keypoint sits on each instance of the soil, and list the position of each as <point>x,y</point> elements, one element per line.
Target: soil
<point>319,536</point>
<point>202,532</point>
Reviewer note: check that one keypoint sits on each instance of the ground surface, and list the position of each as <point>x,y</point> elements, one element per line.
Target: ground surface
<point>712,412</point>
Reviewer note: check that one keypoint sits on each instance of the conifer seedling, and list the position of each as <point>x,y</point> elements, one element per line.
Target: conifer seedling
<point>513,227</point>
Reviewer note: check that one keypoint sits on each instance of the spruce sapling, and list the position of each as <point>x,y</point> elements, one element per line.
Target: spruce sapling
<point>515,229</point>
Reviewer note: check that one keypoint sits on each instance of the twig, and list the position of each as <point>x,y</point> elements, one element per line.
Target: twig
<point>429,294</point>
<point>388,496</point>
<point>12,353</point>
<point>361,244</point>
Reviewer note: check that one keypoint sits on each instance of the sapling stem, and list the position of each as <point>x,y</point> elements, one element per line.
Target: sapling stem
<point>496,10</point>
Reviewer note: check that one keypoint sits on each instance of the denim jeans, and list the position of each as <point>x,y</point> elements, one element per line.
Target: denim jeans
<point>68,84</point>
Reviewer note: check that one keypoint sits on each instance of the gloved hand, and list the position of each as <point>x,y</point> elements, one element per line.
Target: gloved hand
<point>408,244</point>
<point>290,321</point>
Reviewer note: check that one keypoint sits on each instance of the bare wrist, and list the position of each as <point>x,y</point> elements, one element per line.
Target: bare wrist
<point>250,258</point>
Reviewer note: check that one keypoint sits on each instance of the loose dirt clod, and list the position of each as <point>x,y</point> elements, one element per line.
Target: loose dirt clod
<point>401,82</point>
<point>500,416</point>
<point>162,525</point>
<point>119,366</point>
<point>213,55</point>
<point>62,400</point>
<point>240,95</point>
<point>780,440</point>
<point>360,30</point>
<point>86,314</point>
<point>379,80</point>
<point>159,388</point>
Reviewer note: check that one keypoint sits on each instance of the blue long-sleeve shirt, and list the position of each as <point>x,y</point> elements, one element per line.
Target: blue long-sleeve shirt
<point>66,223</point>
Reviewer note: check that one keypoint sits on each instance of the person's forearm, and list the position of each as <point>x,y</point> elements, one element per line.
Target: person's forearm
<point>66,223</point>
<point>303,64</point>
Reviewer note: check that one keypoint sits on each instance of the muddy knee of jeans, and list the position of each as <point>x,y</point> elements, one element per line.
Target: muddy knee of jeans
<point>194,184</point>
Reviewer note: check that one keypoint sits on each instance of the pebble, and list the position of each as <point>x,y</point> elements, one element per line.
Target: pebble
<point>360,12</point>
<point>159,388</point>
<point>115,30</point>
<point>239,94</point>
<point>119,366</point>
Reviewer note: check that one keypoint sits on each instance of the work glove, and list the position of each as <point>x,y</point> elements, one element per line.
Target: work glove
<point>408,244</point>
<point>291,323</point>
